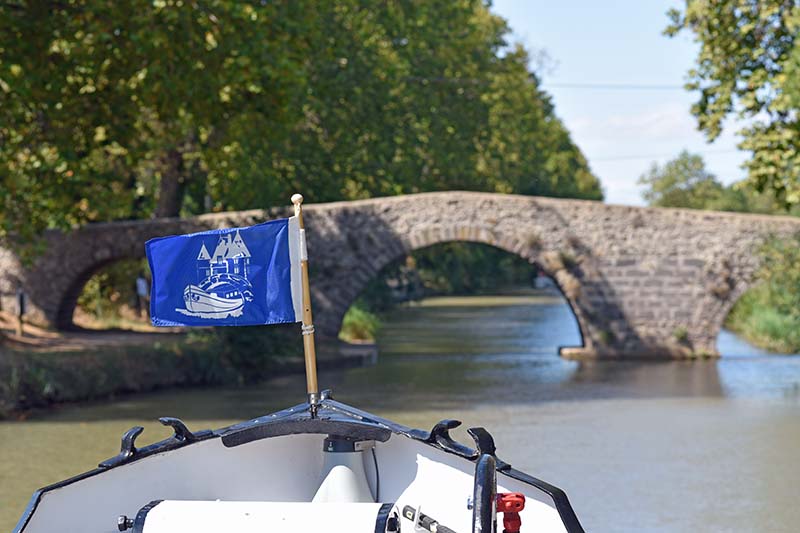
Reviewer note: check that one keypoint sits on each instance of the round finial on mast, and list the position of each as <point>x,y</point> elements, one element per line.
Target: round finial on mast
<point>297,200</point>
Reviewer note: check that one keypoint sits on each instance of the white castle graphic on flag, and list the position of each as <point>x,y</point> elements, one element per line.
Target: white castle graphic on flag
<point>222,288</point>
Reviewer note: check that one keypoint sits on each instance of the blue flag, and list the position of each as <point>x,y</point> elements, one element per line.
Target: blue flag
<point>227,277</point>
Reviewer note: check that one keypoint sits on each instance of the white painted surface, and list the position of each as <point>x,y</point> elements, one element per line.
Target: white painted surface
<point>343,479</point>
<point>297,251</point>
<point>261,517</point>
<point>274,470</point>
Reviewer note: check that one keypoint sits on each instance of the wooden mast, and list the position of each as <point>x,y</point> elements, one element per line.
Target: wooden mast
<point>309,350</point>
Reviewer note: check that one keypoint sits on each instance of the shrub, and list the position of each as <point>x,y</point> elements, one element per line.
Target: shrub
<point>769,314</point>
<point>359,325</point>
<point>681,334</point>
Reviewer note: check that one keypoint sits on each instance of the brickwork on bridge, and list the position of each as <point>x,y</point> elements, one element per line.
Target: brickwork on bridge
<point>641,281</point>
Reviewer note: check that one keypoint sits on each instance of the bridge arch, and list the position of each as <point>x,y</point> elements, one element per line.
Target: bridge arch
<point>552,265</point>
<point>66,309</point>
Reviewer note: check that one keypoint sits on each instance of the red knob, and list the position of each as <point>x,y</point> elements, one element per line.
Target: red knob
<point>510,504</point>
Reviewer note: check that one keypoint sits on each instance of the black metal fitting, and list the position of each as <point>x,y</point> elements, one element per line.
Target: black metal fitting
<point>124,523</point>
<point>483,440</point>
<point>181,431</point>
<point>313,403</point>
<point>440,435</point>
<point>337,444</point>
<point>484,495</point>
<point>392,524</point>
<point>127,447</point>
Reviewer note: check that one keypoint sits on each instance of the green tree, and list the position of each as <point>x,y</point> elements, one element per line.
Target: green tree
<point>685,182</point>
<point>111,110</point>
<point>528,150</point>
<point>748,69</point>
<point>682,182</point>
<point>420,96</point>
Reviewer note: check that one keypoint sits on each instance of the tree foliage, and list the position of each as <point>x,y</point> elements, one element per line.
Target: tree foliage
<point>414,96</point>
<point>685,182</point>
<point>108,110</point>
<point>682,182</point>
<point>160,108</point>
<point>781,273</point>
<point>748,69</point>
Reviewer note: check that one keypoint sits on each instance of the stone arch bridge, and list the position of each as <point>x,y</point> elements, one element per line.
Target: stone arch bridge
<point>641,281</point>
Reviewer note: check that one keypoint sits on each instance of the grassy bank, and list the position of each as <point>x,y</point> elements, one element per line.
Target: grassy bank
<point>208,357</point>
<point>756,318</point>
<point>768,315</point>
<point>35,380</point>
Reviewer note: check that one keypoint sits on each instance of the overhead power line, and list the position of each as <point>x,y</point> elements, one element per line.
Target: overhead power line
<point>660,156</point>
<point>614,86</point>
<point>446,80</point>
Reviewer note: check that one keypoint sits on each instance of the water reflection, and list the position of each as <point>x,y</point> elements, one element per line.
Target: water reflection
<point>447,352</point>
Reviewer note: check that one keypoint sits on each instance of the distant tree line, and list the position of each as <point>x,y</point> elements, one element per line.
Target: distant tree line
<point>685,182</point>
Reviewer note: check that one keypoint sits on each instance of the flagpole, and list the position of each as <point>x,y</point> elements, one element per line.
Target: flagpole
<point>308,323</point>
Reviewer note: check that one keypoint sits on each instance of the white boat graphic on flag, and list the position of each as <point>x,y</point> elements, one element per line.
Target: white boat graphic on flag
<point>223,289</point>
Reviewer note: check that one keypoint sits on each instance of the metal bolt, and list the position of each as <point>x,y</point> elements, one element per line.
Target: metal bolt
<point>124,523</point>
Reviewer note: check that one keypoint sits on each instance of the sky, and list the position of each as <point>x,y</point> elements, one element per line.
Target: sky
<point>620,131</point>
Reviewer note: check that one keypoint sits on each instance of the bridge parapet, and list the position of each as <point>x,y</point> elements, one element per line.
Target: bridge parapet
<point>642,282</point>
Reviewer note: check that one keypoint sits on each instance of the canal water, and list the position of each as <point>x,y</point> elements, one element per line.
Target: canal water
<point>664,446</point>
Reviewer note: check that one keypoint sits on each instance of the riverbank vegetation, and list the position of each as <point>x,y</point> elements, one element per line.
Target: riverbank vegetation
<point>359,324</point>
<point>769,313</point>
<point>221,356</point>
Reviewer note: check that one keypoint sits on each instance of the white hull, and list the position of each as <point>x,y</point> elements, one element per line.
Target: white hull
<point>208,305</point>
<point>274,469</point>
